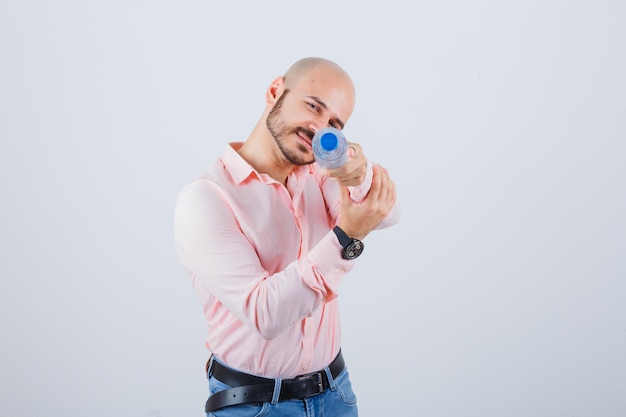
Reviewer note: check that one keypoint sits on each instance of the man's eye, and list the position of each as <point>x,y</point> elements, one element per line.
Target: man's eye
<point>314,107</point>
<point>334,125</point>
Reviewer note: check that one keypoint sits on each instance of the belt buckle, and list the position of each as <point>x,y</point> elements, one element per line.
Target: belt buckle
<point>320,383</point>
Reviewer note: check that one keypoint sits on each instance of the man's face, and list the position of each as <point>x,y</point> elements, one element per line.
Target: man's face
<point>317,101</point>
<point>282,132</point>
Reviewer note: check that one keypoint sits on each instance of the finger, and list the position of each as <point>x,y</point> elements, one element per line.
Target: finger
<point>376,187</point>
<point>353,149</point>
<point>388,183</point>
<point>352,178</point>
<point>385,186</point>
<point>387,194</point>
<point>350,175</point>
<point>390,187</point>
<point>392,193</point>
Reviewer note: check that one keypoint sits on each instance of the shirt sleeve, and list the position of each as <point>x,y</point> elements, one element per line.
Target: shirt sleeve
<point>217,255</point>
<point>359,192</point>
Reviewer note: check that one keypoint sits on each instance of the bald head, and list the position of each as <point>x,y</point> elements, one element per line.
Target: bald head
<point>322,80</point>
<point>306,66</point>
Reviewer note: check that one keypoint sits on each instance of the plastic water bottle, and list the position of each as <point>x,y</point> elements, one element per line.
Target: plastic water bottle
<point>330,148</point>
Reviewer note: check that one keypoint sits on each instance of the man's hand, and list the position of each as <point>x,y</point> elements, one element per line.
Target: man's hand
<point>357,219</point>
<point>353,171</point>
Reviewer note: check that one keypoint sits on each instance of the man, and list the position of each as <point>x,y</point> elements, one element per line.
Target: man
<point>267,236</point>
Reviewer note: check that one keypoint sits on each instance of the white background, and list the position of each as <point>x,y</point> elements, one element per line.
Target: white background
<point>500,293</point>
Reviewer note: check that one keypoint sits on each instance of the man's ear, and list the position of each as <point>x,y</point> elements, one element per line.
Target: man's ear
<point>275,90</point>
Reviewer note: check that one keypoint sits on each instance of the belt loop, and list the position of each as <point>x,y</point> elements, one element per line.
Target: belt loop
<point>277,388</point>
<point>209,367</point>
<point>331,380</point>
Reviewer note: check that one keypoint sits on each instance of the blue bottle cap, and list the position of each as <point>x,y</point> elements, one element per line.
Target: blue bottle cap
<point>329,141</point>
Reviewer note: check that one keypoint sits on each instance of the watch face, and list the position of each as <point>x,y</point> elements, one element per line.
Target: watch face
<point>353,250</point>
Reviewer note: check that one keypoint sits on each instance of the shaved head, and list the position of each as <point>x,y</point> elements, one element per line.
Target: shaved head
<point>304,68</point>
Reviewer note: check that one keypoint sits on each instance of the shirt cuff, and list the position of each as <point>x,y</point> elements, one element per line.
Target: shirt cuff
<point>328,266</point>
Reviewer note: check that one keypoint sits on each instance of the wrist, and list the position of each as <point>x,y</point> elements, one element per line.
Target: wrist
<point>351,248</point>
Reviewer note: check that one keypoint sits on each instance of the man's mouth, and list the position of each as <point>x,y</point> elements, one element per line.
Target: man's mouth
<point>305,139</point>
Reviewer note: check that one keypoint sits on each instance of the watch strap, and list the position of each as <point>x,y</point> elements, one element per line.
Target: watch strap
<point>344,239</point>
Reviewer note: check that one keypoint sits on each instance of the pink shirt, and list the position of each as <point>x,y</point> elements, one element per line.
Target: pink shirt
<point>266,264</point>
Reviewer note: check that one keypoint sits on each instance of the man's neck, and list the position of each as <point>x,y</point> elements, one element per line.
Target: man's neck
<point>262,153</point>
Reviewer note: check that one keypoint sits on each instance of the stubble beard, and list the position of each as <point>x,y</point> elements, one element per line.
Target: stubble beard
<point>280,131</point>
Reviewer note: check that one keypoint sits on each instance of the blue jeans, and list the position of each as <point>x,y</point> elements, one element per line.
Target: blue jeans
<point>337,401</point>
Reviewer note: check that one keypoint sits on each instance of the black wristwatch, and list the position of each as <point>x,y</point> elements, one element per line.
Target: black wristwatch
<point>352,248</point>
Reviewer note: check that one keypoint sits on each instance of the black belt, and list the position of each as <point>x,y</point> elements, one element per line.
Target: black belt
<point>255,389</point>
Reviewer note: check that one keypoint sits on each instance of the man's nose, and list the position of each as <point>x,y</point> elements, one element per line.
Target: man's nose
<point>317,125</point>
